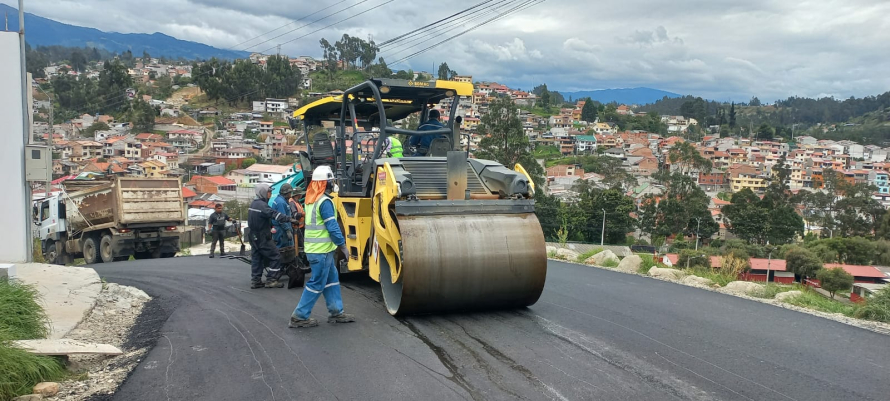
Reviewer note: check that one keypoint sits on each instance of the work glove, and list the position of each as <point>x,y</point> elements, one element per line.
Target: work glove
<point>344,251</point>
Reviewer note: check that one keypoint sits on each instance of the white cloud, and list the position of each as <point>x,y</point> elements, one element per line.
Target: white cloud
<point>719,49</point>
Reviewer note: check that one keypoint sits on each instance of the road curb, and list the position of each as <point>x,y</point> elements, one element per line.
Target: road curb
<point>877,327</point>
<point>68,293</point>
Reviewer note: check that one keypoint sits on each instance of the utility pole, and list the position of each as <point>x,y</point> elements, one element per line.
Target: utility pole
<point>696,232</point>
<point>603,234</point>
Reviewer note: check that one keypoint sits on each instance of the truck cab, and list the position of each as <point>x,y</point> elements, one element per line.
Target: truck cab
<point>49,216</point>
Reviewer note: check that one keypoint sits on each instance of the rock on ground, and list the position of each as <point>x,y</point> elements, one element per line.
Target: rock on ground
<point>671,274</point>
<point>697,281</point>
<point>630,264</point>
<point>784,296</point>
<point>551,249</point>
<point>601,258</point>
<point>567,254</point>
<point>742,288</point>
<point>47,389</point>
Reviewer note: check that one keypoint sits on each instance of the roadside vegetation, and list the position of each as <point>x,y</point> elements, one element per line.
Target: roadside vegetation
<point>22,318</point>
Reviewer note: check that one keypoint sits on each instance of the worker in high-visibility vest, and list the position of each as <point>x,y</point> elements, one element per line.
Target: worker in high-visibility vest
<point>394,147</point>
<point>322,239</point>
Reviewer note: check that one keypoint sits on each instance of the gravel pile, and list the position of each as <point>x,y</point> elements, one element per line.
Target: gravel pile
<point>110,321</point>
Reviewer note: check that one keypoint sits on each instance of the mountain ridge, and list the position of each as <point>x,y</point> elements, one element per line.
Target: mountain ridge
<point>41,31</point>
<point>638,95</point>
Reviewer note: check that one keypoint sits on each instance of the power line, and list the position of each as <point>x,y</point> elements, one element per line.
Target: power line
<point>342,20</point>
<point>525,5</point>
<point>437,32</point>
<point>432,24</point>
<point>310,23</point>
<point>288,24</point>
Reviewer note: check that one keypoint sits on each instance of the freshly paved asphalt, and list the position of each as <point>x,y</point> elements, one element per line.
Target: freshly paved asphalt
<point>594,335</point>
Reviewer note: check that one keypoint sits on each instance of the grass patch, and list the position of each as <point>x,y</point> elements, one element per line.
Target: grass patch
<point>876,308</point>
<point>648,263</point>
<point>22,370</point>
<point>716,276</point>
<point>612,263</point>
<point>586,255</point>
<point>552,255</point>
<point>770,290</point>
<point>37,251</point>
<point>22,318</point>
<point>813,300</point>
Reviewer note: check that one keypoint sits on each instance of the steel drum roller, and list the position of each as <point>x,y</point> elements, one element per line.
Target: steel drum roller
<point>465,262</point>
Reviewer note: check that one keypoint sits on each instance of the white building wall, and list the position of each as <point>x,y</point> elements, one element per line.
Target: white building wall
<point>15,236</point>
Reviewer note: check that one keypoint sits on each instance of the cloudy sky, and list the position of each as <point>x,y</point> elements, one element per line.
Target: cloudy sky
<point>713,48</point>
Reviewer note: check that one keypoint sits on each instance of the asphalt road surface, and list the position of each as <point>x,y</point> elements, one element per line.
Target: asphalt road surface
<point>594,335</point>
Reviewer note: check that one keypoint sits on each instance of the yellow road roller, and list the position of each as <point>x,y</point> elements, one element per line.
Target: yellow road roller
<point>439,232</point>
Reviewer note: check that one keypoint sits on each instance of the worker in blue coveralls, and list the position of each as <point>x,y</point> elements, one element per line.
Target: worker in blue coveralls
<point>421,143</point>
<point>323,239</point>
<point>282,232</point>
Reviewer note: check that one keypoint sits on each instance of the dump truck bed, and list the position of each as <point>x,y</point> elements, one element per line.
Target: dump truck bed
<point>125,201</point>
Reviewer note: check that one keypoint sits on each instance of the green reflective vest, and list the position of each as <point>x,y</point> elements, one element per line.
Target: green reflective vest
<point>395,147</point>
<point>317,239</point>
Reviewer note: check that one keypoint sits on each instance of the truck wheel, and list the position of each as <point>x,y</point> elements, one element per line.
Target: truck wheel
<point>91,251</point>
<point>106,249</point>
<point>295,277</point>
<point>51,253</point>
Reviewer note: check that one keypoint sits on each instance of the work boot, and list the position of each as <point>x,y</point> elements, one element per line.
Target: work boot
<point>341,318</point>
<point>211,256</point>
<point>257,284</point>
<point>274,284</point>
<point>301,323</point>
<point>222,254</point>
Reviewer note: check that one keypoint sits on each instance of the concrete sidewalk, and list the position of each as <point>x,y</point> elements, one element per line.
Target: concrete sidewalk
<point>68,293</point>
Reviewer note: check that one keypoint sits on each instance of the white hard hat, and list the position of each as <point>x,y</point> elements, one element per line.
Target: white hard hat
<point>322,173</point>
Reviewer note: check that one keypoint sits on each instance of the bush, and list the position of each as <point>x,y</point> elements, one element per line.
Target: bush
<point>733,265</point>
<point>802,262</point>
<point>834,280</point>
<point>876,307</point>
<point>692,258</point>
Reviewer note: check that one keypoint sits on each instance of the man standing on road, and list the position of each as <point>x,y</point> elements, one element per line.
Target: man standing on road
<point>259,221</point>
<point>323,238</point>
<point>282,232</point>
<point>216,224</point>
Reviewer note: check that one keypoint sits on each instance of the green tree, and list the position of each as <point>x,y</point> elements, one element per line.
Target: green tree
<point>445,73</point>
<point>755,102</point>
<point>504,141</point>
<point>78,61</point>
<point>588,112</point>
<point>141,116</point>
<point>248,162</point>
<point>688,159</point>
<point>693,258</point>
<point>146,58</point>
<point>834,280</point>
<point>765,132</point>
<point>96,126</point>
<point>802,262</point>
